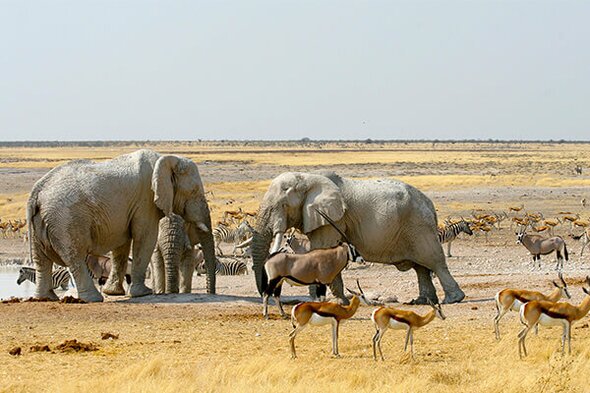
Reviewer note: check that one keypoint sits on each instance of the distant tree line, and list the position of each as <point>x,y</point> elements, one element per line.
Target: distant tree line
<point>262,143</point>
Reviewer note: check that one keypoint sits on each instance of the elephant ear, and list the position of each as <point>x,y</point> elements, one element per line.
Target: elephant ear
<point>163,183</point>
<point>323,195</point>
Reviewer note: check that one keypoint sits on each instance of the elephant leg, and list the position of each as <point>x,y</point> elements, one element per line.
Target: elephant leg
<point>434,260</point>
<point>114,284</point>
<point>86,289</point>
<point>313,292</point>
<point>453,293</point>
<point>425,285</point>
<point>187,267</point>
<point>142,251</point>
<point>158,273</point>
<point>337,289</point>
<point>43,267</point>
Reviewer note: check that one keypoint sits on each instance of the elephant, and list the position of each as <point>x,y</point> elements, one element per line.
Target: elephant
<point>83,207</point>
<point>175,252</point>
<point>388,221</point>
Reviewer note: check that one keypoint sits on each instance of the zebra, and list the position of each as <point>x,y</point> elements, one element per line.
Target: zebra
<point>225,234</point>
<point>225,268</point>
<point>60,277</point>
<point>448,233</point>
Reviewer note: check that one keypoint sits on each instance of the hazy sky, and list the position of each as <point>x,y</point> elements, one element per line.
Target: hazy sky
<point>88,70</point>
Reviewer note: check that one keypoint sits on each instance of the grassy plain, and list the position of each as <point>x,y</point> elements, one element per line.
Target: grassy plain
<point>206,347</point>
<point>221,344</point>
<point>442,167</point>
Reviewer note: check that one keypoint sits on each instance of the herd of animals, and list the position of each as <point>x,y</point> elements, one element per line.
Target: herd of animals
<point>308,228</point>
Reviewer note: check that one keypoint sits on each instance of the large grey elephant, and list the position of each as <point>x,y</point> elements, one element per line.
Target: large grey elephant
<point>84,207</point>
<point>175,257</point>
<point>388,221</point>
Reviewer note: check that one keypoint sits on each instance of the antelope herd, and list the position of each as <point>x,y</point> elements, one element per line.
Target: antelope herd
<point>13,228</point>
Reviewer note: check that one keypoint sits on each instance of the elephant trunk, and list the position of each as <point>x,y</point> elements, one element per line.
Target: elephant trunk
<point>260,244</point>
<point>261,241</point>
<point>171,253</point>
<point>172,242</point>
<point>208,246</point>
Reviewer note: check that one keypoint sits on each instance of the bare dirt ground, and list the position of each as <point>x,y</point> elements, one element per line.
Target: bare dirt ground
<point>217,343</point>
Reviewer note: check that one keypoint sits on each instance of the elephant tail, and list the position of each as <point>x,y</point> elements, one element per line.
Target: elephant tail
<point>32,210</point>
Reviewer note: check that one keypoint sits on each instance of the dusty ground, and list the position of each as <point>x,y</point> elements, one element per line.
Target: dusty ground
<point>220,343</point>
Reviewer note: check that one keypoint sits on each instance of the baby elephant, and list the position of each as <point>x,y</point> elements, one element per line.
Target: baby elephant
<point>174,258</point>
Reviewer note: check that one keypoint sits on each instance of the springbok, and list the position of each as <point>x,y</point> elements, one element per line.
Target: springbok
<point>323,313</point>
<point>552,314</point>
<point>584,237</point>
<point>317,267</point>
<point>513,299</point>
<point>387,317</point>
<point>538,245</point>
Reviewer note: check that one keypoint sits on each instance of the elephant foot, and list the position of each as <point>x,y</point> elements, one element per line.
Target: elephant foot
<point>454,297</point>
<point>138,290</point>
<point>91,296</point>
<point>423,300</point>
<point>113,289</point>
<point>46,295</point>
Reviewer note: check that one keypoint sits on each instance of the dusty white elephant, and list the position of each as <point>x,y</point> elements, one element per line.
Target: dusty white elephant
<point>388,221</point>
<point>175,257</point>
<point>83,208</point>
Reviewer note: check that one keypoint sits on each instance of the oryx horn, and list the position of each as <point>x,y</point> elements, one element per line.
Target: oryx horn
<point>321,213</point>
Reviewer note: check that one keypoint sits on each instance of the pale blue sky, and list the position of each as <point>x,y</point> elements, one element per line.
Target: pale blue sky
<point>88,70</point>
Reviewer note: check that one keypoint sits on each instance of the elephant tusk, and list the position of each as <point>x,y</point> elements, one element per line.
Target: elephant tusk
<point>203,227</point>
<point>277,242</point>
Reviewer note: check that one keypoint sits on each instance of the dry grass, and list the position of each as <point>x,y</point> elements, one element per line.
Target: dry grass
<point>507,162</point>
<point>325,154</point>
<point>223,348</point>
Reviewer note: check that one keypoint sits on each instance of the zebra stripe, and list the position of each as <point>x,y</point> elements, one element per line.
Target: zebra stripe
<point>450,232</point>
<point>231,268</point>
<point>60,277</point>
<point>225,234</point>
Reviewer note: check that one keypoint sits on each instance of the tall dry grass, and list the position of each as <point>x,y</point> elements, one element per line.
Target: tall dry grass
<point>209,348</point>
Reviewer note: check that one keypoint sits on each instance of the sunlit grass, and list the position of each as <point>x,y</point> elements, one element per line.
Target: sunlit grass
<point>195,348</point>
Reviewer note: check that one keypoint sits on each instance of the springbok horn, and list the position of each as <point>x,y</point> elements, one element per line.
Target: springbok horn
<point>321,213</point>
